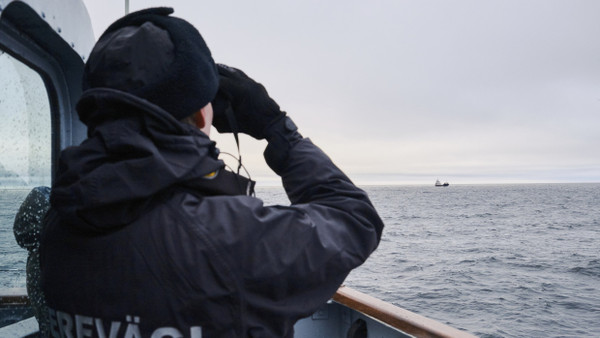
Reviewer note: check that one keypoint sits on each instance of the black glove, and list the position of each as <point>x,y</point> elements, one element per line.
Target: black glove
<point>254,112</point>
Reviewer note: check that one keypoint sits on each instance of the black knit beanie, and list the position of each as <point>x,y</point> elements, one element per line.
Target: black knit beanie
<point>160,58</point>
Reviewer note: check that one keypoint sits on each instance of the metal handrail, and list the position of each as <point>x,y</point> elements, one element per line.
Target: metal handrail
<point>16,296</point>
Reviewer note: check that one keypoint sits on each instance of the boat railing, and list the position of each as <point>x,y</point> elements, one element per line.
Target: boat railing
<point>394,316</point>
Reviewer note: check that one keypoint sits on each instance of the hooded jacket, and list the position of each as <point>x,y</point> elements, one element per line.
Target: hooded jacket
<point>135,242</point>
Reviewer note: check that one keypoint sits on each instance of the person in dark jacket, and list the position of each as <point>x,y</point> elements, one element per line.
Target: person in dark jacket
<point>148,236</point>
<point>28,229</point>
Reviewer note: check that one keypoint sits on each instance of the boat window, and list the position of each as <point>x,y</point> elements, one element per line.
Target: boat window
<point>25,155</point>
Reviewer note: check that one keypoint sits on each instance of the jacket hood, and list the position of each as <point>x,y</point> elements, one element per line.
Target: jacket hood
<point>134,150</point>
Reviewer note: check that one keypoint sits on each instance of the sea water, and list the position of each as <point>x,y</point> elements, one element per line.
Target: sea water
<point>12,257</point>
<point>494,260</point>
<point>497,261</point>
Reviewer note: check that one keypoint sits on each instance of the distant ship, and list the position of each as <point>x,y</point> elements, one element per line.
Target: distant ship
<point>439,184</point>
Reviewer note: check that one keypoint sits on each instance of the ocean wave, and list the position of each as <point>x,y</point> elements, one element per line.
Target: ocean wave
<point>592,269</point>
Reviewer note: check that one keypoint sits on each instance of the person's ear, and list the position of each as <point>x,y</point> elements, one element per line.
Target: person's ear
<point>204,118</point>
<point>199,118</point>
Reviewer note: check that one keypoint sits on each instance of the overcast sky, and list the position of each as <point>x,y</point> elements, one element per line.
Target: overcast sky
<point>412,91</point>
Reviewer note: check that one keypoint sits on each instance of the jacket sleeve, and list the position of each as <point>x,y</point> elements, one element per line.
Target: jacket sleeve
<point>296,257</point>
<point>29,218</point>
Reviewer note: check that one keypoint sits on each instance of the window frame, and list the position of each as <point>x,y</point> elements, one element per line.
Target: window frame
<point>29,39</point>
